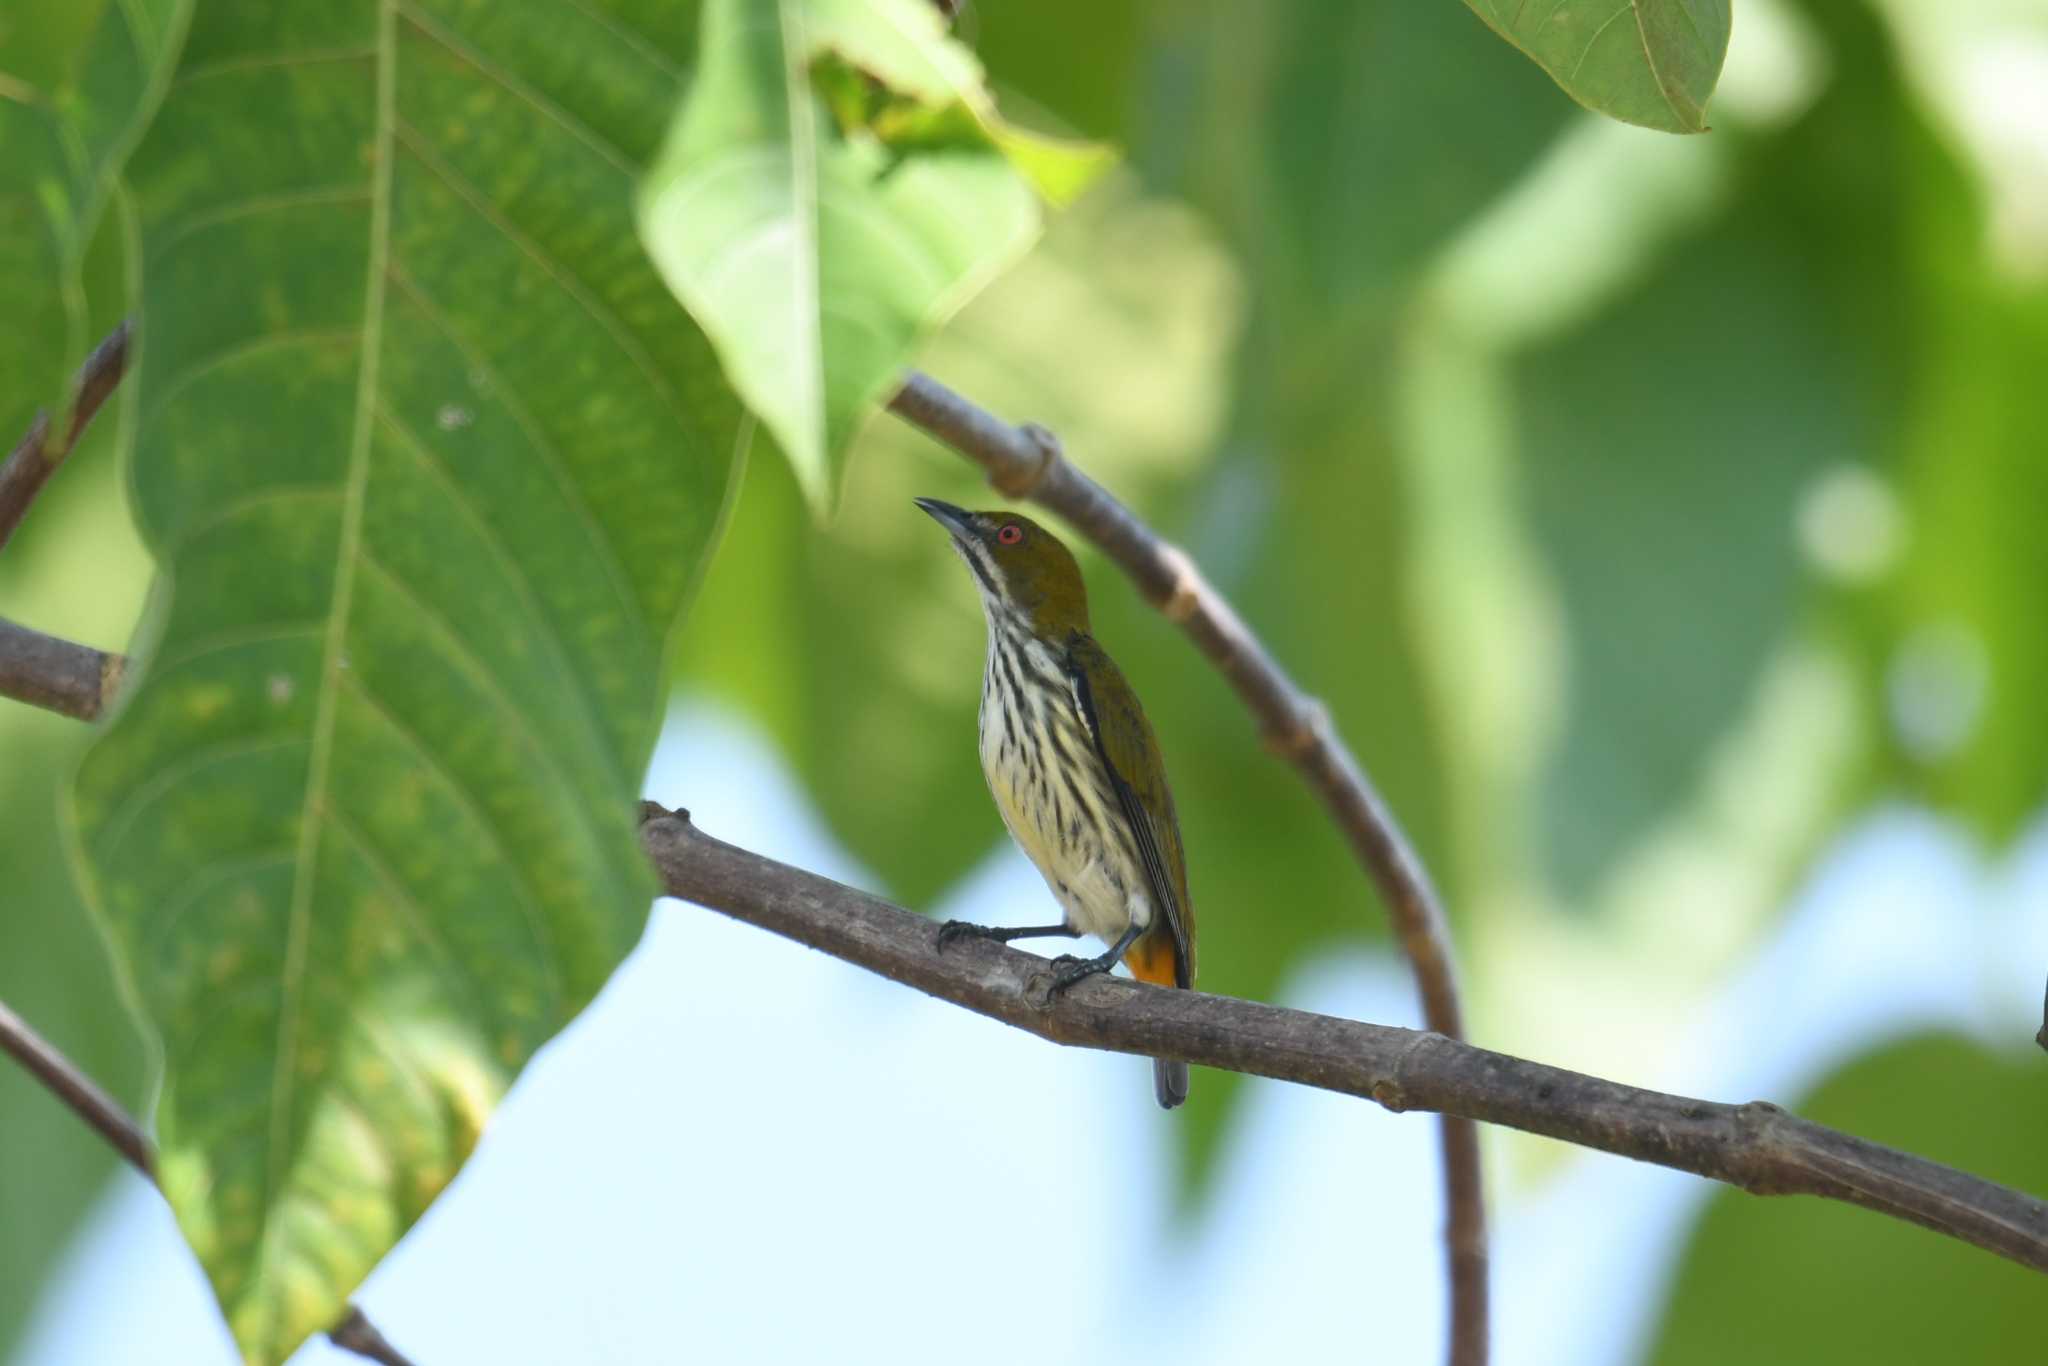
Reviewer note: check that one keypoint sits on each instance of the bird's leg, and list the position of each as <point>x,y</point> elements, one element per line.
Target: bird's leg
<point>961,929</point>
<point>1072,969</point>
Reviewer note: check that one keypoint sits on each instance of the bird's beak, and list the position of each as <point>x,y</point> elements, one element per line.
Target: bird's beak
<point>958,521</point>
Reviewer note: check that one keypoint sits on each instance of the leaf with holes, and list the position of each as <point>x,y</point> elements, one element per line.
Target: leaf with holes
<point>837,183</point>
<point>1652,62</point>
<point>429,460</point>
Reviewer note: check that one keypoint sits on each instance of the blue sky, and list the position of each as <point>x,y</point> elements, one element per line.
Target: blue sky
<point>746,1150</point>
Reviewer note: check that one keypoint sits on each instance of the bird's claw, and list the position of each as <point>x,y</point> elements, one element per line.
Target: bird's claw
<point>953,930</point>
<point>1071,971</point>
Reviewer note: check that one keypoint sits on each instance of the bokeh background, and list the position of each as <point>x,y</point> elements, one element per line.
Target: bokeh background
<point>1660,519</point>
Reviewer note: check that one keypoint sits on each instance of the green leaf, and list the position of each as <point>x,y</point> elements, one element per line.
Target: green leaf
<point>430,461</point>
<point>1954,669</point>
<point>1664,515</point>
<point>834,185</point>
<point>1810,1280</point>
<point>1652,62</point>
<point>1294,127</point>
<point>1961,678</point>
<point>76,84</point>
<point>1664,483</point>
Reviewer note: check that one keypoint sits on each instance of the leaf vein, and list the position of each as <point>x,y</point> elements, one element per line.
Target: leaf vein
<point>522,584</point>
<point>489,69</point>
<point>550,455</point>
<point>525,891</point>
<point>120,821</point>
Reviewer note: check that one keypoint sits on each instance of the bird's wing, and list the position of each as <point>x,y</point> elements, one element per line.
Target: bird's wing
<point>1130,752</point>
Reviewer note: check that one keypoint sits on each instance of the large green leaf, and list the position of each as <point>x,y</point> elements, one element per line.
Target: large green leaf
<point>1798,1281</point>
<point>1652,62</point>
<point>835,184</point>
<point>430,461</point>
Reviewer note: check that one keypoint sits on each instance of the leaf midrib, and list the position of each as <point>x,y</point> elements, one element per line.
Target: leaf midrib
<point>297,928</point>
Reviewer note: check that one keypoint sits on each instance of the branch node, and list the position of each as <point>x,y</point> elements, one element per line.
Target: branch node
<point>113,668</point>
<point>1024,483</point>
<point>1185,597</point>
<point>1311,723</point>
<point>1389,1096</point>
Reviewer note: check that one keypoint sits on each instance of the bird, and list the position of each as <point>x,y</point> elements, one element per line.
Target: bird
<point>1074,768</point>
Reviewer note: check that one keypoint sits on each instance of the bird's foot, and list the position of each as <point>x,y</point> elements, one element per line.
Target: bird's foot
<point>955,930</point>
<point>1069,969</point>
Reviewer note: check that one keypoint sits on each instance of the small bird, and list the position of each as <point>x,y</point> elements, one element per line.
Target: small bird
<point>1074,767</point>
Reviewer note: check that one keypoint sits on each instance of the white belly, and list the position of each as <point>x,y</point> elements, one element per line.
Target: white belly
<point>1069,828</point>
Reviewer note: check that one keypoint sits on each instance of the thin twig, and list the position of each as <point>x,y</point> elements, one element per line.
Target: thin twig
<point>2041,1034</point>
<point>58,675</point>
<point>1757,1147</point>
<point>43,671</point>
<point>63,1079</point>
<point>37,455</point>
<point>69,1084</point>
<point>1026,462</point>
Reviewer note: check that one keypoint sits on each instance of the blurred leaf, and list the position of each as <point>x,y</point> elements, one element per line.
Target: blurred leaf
<point>1652,62</point>
<point>429,460</point>
<point>76,84</point>
<point>1663,508</point>
<point>1337,144</point>
<point>76,80</point>
<point>1664,481</point>
<point>1955,665</point>
<point>1080,60</point>
<point>1962,685</point>
<point>54,973</point>
<point>75,567</point>
<point>1790,1281</point>
<point>860,650</point>
<point>816,250</point>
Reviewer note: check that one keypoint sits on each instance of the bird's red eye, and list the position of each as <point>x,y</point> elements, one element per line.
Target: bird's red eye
<point>1010,534</point>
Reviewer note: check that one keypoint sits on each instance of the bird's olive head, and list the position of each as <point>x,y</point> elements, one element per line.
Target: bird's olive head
<point>1019,566</point>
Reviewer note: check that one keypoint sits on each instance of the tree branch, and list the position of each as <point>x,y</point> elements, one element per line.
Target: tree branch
<point>65,1081</point>
<point>58,675</point>
<point>1026,462</point>
<point>36,456</point>
<point>1756,1146</point>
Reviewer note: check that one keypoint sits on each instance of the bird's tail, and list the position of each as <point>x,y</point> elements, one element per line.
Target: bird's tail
<point>1169,1082</point>
<point>1151,959</point>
